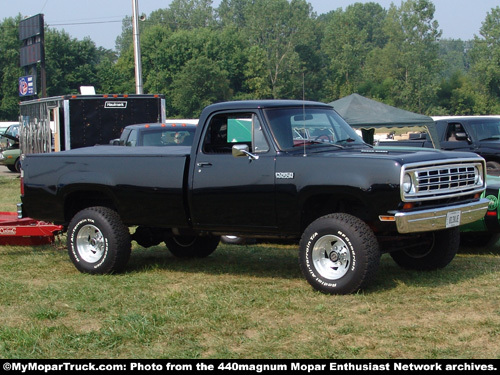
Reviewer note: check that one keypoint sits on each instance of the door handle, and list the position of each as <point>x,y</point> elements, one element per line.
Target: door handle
<point>202,164</point>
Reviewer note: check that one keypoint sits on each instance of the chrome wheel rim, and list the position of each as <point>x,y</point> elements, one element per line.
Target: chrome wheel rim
<point>90,243</point>
<point>331,257</point>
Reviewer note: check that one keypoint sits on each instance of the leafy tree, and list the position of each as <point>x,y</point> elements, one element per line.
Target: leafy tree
<point>195,54</point>
<point>348,38</point>
<point>278,28</point>
<point>233,13</point>
<point>485,60</point>
<point>9,69</point>
<point>71,63</point>
<point>410,55</point>
<point>200,82</point>
<point>180,15</point>
<point>455,56</point>
<point>256,81</point>
<point>166,54</point>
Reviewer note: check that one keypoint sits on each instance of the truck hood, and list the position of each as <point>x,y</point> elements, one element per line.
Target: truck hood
<point>490,143</point>
<point>402,155</point>
<point>414,154</point>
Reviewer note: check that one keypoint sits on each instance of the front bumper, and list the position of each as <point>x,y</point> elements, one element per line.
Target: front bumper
<point>440,218</point>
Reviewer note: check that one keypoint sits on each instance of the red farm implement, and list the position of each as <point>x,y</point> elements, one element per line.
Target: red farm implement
<point>25,231</point>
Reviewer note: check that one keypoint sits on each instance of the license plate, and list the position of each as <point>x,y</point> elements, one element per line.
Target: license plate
<point>453,219</point>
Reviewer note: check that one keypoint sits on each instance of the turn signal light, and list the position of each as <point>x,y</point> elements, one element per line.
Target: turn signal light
<point>387,218</point>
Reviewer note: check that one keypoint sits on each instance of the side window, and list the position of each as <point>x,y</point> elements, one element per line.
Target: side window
<point>455,132</point>
<point>124,136</point>
<point>226,130</point>
<point>132,139</point>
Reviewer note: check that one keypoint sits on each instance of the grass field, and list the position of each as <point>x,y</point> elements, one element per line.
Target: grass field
<point>241,302</point>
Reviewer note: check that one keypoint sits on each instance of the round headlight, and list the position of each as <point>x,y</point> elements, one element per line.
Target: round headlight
<point>477,175</point>
<point>407,183</point>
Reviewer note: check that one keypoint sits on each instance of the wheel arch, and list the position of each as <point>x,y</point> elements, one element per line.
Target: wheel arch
<point>325,203</point>
<point>78,199</point>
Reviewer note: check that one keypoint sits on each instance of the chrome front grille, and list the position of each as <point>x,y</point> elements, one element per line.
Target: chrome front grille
<point>443,180</point>
<point>446,178</point>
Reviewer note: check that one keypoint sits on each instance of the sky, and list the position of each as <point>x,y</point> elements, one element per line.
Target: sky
<point>101,20</point>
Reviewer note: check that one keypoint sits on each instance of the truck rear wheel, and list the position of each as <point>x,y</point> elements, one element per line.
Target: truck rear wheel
<point>192,246</point>
<point>339,254</point>
<point>98,241</point>
<point>436,252</point>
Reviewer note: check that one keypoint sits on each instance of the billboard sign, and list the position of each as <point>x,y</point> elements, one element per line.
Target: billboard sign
<point>31,27</point>
<point>26,86</point>
<point>31,54</point>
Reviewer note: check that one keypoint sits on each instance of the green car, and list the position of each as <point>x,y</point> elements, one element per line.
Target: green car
<point>486,232</point>
<point>11,159</point>
<point>10,155</point>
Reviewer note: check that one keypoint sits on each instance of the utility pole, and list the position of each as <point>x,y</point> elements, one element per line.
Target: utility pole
<point>137,48</point>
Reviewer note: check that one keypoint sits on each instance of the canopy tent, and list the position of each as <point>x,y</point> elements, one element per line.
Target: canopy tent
<point>364,113</point>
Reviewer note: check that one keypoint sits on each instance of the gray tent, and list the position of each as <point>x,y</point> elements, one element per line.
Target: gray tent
<point>364,113</point>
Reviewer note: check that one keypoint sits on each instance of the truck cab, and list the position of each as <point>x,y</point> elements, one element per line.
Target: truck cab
<point>478,134</point>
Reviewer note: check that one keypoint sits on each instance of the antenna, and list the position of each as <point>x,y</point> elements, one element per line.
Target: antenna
<point>304,112</point>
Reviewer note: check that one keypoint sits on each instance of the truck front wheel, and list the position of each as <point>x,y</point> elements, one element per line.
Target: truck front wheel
<point>98,241</point>
<point>436,251</point>
<point>339,254</point>
<point>192,246</point>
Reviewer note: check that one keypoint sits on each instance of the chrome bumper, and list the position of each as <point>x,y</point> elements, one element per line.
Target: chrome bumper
<point>441,218</point>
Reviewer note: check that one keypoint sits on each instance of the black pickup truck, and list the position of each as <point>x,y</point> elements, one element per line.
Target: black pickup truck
<point>273,169</point>
<point>478,134</point>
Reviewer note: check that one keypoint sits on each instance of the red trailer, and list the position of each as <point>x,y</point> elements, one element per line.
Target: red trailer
<point>26,231</point>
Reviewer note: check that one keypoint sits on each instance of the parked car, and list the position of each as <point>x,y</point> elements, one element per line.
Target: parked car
<point>3,129</point>
<point>172,133</point>
<point>478,134</point>
<point>10,155</point>
<point>9,136</point>
<point>11,159</point>
<point>485,232</point>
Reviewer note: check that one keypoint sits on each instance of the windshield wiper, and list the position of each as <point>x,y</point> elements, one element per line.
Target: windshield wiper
<point>346,140</point>
<point>313,142</point>
<point>495,138</point>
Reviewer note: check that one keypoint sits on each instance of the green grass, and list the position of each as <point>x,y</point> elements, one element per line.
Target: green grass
<point>241,302</point>
<point>9,192</point>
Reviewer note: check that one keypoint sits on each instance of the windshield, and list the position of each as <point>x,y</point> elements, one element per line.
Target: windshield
<point>485,129</point>
<point>305,126</point>
<point>13,131</point>
<point>168,137</point>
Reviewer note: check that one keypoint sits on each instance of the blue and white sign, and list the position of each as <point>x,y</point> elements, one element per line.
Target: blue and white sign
<point>26,86</point>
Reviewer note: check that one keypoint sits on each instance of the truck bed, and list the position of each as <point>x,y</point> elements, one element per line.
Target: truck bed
<point>139,197</point>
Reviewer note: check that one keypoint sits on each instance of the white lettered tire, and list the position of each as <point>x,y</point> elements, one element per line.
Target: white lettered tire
<point>339,254</point>
<point>98,242</point>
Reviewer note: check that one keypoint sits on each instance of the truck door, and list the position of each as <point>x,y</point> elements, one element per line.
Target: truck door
<point>456,138</point>
<point>231,192</point>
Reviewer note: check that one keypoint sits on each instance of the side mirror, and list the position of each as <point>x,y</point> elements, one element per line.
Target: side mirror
<point>242,150</point>
<point>461,136</point>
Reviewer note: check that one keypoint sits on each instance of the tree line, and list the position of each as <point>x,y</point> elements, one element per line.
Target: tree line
<point>196,54</point>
